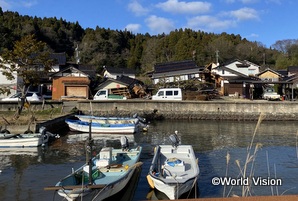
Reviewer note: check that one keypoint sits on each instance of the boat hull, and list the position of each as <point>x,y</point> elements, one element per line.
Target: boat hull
<point>24,140</point>
<point>108,120</point>
<point>112,189</point>
<point>77,125</point>
<point>174,170</point>
<point>174,191</point>
<point>109,179</point>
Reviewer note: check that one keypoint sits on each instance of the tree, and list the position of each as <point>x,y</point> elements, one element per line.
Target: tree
<point>29,60</point>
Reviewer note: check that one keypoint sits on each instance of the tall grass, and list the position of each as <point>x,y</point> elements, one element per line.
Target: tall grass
<point>246,170</point>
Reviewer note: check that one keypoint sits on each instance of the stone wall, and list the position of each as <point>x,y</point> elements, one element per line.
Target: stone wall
<point>233,110</point>
<point>12,106</point>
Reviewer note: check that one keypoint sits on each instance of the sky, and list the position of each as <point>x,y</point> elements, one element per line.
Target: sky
<point>264,21</point>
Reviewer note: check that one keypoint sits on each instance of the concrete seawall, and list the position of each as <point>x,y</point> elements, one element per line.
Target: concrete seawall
<point>215,110</point>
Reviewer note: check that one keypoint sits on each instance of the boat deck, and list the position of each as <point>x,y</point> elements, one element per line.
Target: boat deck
<point>182,170</point>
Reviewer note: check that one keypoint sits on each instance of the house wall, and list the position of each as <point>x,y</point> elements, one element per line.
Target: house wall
<point>233,89</point>
<point>175,76</point>
<point>11,85</point>
<point>251,70</point>
<point>270,76</point>
<point>244,70</point>
<point>114,76</point>
<point>113,85</point>
<point>60,85</point>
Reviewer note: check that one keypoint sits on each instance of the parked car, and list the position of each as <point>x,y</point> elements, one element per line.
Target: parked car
<point>30,96</point>
<point>270,94</point>
<point>168,94</point>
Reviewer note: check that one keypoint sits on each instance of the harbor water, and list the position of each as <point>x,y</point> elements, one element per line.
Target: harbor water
<point>221,147</point>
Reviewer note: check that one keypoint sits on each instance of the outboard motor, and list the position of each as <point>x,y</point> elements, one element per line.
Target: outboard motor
<point>175,139</point>
<point>124,143</point>
<point>141,119</point>
<point>42,130</point>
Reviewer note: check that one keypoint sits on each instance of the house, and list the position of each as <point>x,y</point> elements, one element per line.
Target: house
<point>114,72</point>
<point>6,85</point>
<point>59,60</point>
<point>238,78</point>
<point>175,71</point>
<point>269,75</point>
<point>122,85</point>
<point>70,84</point>
<point>244,67</point>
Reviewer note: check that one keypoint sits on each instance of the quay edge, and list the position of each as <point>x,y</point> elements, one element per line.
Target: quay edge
<point>203,110</point>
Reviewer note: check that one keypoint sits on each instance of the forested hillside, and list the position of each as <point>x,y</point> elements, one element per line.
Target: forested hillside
<point>101,46</point>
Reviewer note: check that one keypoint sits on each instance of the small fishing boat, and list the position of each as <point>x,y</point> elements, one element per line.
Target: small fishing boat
<point>174,169</point>
<point>108,120</point>
<point>103,176</point>
<point>82,126</point>
<point>8,140</point>
<point>135,119</point>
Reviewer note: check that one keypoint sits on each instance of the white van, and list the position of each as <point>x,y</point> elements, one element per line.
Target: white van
<point>168,94</point>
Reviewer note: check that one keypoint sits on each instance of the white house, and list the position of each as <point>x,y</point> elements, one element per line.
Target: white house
<point>9,85</point>
<point>235,67</point>
<point>175,71</point>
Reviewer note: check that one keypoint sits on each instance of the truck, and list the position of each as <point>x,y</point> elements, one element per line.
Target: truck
<point>104,94</point>
<point>270,94</point>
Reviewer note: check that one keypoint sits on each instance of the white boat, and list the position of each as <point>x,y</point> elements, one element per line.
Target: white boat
<point>82,126</point>
<point>26,140</point>
<point>136,119</point>
<point>110,172</point>
<point>174,169</point>
<point>108,120</point>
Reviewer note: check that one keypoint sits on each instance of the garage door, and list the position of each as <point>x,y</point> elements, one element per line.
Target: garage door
<point>76,91</point>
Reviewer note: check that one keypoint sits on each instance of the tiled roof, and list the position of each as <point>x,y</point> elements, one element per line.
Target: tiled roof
<point>128,80</point>
<point>174,66</point>
<point>115,70</point>
<point>60,58</point>
<point>293,69</point>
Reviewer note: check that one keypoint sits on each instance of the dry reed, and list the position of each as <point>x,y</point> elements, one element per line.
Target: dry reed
<point>248,163</point>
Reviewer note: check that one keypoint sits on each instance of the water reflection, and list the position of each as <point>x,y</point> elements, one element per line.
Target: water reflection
<point>24,175</point>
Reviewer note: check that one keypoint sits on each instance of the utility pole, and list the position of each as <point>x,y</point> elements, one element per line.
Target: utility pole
<point>216,56</point>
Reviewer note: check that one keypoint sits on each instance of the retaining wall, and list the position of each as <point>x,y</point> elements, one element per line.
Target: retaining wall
<point>230,110</point>
<point>13,106</point>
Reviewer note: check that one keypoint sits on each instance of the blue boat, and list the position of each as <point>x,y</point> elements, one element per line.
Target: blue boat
<point>109,173</point>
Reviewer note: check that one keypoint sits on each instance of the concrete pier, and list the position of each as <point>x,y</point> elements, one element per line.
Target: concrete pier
<point>214,110</point>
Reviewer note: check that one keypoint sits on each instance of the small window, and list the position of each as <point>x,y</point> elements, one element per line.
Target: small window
<point>169,93</point>
<point>101,93</point>
<point>176,93</point>
<point>160,93</point>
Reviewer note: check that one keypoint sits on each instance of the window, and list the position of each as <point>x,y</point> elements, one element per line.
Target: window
<point>101,93</point>
<point>176,93</point>
<point>169,93</point>
<point>160,93</point>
